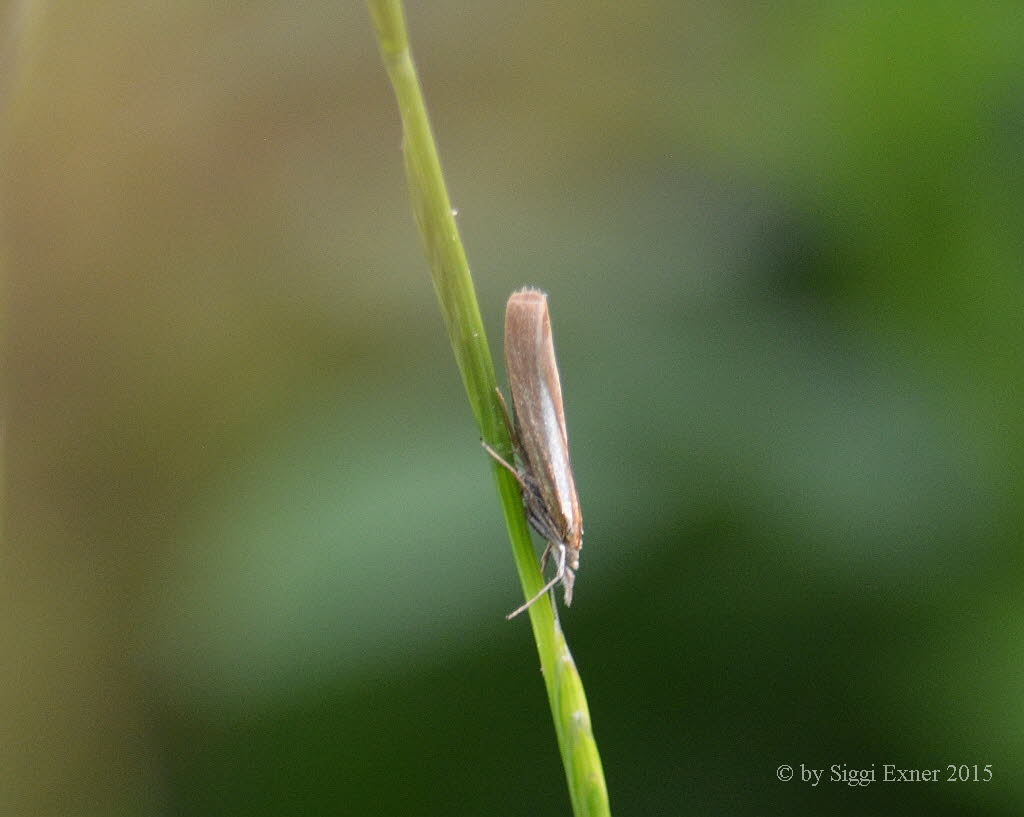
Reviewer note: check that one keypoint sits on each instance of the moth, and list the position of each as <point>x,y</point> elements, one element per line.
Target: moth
<point>539,439</point>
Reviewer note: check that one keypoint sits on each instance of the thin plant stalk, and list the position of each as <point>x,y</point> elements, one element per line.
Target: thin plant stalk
<point>457,297</point>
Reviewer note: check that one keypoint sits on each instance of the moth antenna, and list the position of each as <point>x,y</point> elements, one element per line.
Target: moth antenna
<point>510,426</point>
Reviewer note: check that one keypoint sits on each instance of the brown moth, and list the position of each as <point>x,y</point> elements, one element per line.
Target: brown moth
<point>539,438</point>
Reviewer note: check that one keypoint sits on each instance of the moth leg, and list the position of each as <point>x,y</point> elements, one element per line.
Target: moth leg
<point>567,583</point>
<point>557,578</point>
<point>506,465</point>
<point>544,556</point>
<point>538,517</point>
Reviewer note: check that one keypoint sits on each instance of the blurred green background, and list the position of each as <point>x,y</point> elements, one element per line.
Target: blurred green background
<point>254,560</point>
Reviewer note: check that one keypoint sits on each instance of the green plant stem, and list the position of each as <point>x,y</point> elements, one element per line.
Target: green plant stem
<point>455,292</point>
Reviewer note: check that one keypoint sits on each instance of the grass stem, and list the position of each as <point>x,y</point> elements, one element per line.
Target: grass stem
<point>457,297</point>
